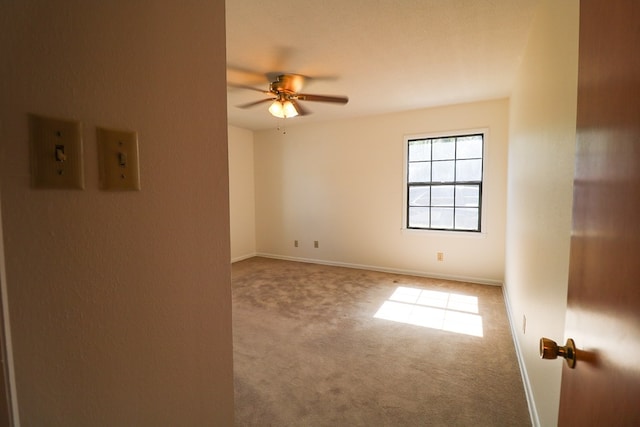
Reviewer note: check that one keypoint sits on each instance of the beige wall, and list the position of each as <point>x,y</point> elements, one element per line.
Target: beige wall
<point>242,194</point>
<point>541,158</point>
<point>341,183</point>
<point>119,302</point>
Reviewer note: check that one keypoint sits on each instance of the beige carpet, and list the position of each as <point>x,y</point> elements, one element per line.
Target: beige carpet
<point>308,350</point>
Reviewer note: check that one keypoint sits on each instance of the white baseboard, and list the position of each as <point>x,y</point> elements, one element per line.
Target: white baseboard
<point>533,412</point>
<point>384,269</point>
<point>243,257</point>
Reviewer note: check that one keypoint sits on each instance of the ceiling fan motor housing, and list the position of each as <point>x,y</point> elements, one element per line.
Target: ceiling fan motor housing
<point>287,83</point>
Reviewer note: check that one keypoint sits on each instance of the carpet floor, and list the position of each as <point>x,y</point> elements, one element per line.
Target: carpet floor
<point>318,345</point>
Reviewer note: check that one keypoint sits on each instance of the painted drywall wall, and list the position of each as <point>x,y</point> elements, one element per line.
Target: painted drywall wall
<point>120,302</point>
<point>541,159</point>
<point>341,183</point>
<point>242,205</point>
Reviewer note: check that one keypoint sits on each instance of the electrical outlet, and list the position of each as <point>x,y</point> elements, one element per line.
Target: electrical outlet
<point>295,243</point>
<point>440,256</point>
<point>524,324</point>
<point>315,244</point>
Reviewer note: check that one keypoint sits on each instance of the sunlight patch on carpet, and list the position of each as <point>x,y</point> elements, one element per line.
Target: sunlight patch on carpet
<point>433,309</point>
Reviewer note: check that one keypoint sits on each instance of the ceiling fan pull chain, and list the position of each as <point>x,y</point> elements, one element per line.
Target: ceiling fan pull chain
<point>282,127</point>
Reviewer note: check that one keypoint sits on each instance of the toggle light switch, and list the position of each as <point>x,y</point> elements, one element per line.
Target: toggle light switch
<point>60,156</point>
<point>56,153</point>
<point>118,160</point>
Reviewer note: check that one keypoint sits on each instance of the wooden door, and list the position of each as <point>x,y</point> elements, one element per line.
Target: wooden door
<point>603,314</point>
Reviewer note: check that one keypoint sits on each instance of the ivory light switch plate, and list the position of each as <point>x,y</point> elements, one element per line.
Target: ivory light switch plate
<point>56,153</point>
<point>118,160</point>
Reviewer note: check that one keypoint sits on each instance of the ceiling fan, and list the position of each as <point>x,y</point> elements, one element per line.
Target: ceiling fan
<point>284,94</point>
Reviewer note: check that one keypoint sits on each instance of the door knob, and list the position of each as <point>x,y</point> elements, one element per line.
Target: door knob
<point>550,350</point>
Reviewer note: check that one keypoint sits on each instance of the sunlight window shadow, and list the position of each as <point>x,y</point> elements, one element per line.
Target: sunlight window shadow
<point>433,309</point>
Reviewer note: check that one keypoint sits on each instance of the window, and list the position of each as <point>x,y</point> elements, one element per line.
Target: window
<point>444,182</point>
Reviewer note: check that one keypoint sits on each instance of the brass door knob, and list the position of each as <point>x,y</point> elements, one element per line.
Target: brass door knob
<point>550,350</point>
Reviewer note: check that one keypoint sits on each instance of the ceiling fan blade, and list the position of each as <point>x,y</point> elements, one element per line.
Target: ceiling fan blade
<point>323,98</point>
<point>239,86</point>
<point>243,73</point>
<point>254,103</point>
<point>299,108</point>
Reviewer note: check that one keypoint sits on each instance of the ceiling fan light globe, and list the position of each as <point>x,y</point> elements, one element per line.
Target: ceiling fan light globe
<point>283,109</point>
<point>289,109</point>
<point>276,109</point>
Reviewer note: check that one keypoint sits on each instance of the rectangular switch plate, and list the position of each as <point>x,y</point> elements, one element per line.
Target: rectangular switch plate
<point>56,153</point>
<point>118,160</point>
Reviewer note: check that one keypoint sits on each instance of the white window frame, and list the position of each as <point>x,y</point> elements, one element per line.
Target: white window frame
<point>483,203</point>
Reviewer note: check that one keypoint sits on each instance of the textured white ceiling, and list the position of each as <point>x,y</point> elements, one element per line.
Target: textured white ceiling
<point>386,55</point>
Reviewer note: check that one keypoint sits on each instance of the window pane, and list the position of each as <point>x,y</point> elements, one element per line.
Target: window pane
<point>419,217</point>
<point>442,217</point>
<point>469,170</point>
<point>419,196</point>
<point>469,147</point>
<point>420,172</point>
<point>444,149</point>
<point>444,171</point>
<point>442,195</point>
<point>467,195</point>
<point>419,150</point>
<point>467,218</point>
